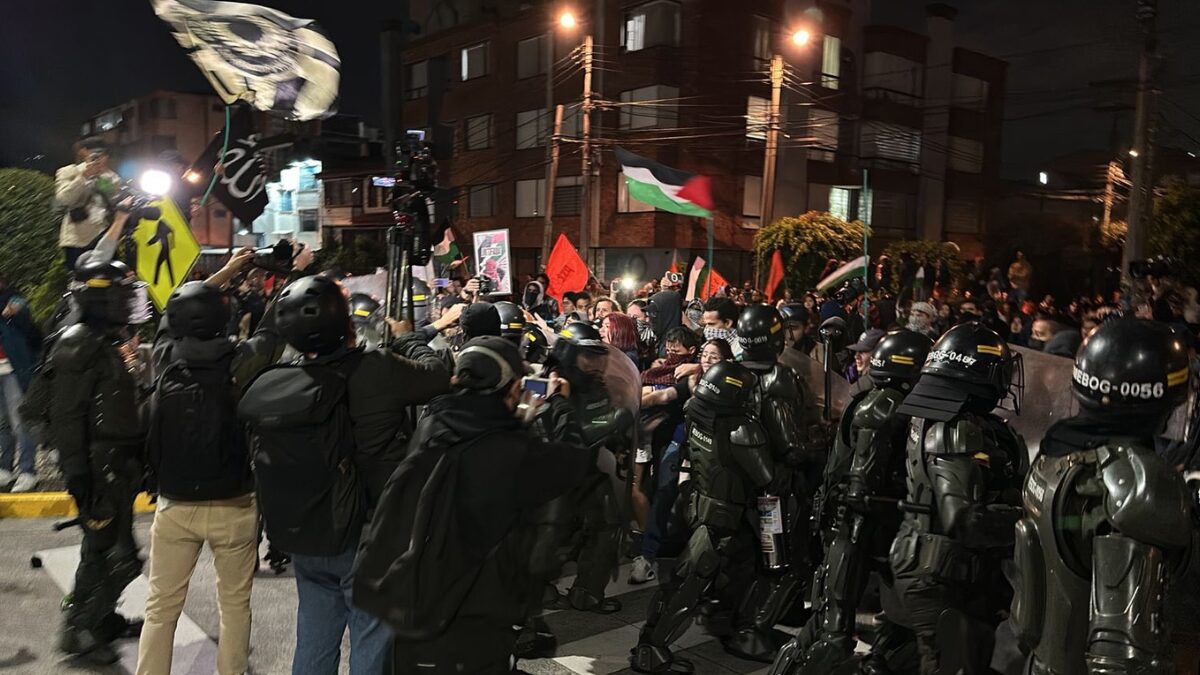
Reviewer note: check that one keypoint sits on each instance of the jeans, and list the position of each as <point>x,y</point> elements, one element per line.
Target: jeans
<point>324,587</point>
<point>10,426</point>
<point>663,503</point>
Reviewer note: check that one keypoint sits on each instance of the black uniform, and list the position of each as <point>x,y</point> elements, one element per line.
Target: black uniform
<point>730,464</point>
<point>965,467</point>
<point>1107,520</point>
<point>96,425</point>
<point>863,482</point>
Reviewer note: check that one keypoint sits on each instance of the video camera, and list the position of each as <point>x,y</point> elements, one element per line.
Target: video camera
<point>415,165</point>
<point>1158,267</point>
<point>486,285</point>
<point>275,259</point>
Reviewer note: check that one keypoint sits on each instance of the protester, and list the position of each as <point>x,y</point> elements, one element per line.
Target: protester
<point>920,320</point>
<point>84,190</point>
<point>1020,278</point>
<point>720,320</point>
<point>859,371</point>
<point>20,345</point>
<point>200,461</point>
<point>620,331</point>
<point>605,306</point>
<point>342,422</point>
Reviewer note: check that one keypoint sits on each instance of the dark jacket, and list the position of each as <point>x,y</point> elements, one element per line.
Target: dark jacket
<point>21,339</point>
<point>384,385</point>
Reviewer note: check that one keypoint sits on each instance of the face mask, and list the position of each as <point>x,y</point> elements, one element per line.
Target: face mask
<point>918,323</point>
<point>726,334</point>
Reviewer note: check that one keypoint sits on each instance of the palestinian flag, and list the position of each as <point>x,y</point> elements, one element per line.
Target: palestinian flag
<point>854,268</point>
<point>703,281</point>
<point>446,251</point>
<point>665,188</point>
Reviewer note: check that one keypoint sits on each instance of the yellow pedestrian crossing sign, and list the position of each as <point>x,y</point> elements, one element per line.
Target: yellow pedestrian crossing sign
<point>166,251</point>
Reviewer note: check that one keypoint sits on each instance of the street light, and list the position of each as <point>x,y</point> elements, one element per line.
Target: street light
<point>1133,152</point>
<point>801,37</point>
<point>1043,177</point>
<point>567,20</point>
<point>155,182</point>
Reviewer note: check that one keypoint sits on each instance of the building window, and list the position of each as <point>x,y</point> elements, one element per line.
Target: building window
<point>866,205</point>
<point>969,92</point>
<point>572,124</point>
<point>628,204</point>
<point>651,25</point>
<point>161,109</point>
<point>531,128</point>
<point>653,106</point>
<point>762,43</point>
<point>831,62</point>
<point>823,128</point>
<point>308,176</point>
<point>531,57</point>
<point>339,193</point>
<point>479,132</point>
<point>474,61</point>
<point>481,201</point>
<point>966,155</point>
<point>309,221</point>
<point>377,197</point>
<point>891,142</point>
<point>839,202</point>
<point>568,196</point>
<point>892,78</point>
<point>531,197</point>
<point>285,201</point>
<point>962,217</point>
<point>417,80</point>
<point>162,143</point>
<point>758,117</point>
<point>752,196</point>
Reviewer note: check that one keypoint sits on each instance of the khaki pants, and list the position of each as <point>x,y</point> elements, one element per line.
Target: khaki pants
<point>230,527</point>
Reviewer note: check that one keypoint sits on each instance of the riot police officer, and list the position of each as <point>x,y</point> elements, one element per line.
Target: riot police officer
<point>367,320</point>
<point>863,481</point>
<point>586,523</point>
<point>535,348</point>
<point>512,321</point>
<point>96,425</point>
<point>964,468</point>
<point>1106,518</point>
<point>777,403</point>
<point>730,463</point>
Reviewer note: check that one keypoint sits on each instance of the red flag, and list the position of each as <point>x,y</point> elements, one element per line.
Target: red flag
<point>776,276</point>
<point>698,190</point>
<point>567,271</point>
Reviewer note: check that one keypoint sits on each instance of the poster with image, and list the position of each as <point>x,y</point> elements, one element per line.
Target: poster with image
<point>492,259</point>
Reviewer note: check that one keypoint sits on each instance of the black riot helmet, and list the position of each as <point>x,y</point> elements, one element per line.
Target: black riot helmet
<point>313,315</point>
<point>420,296</point>
<point>898,358</point>
<point>727,385</point>
<point>580,353</point>
<point>198,310</point>
<point>534,345</point>
<point>108,293</point>
<point>969,368</point>
<point>1132,369</point>
<point>512,321</point>
<point>794,312</point>
<point>760,332</point>
<point>363,308</point>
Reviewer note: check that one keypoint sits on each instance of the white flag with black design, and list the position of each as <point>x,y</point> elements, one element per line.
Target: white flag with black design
<point>275,62</point>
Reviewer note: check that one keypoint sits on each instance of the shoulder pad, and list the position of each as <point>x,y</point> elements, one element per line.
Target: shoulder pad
<point>779,382</point>
<point>76,348</point>
<point>1146,499</point>
<point>877,408</point>
<point>956,437</point>
<point>749,432</point>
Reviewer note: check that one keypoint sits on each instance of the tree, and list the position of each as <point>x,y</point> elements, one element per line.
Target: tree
<point>1175,231</point>
<point>29,252</point>
<point>359,255</point>
<point>927,253</point>
<point>807,242</point>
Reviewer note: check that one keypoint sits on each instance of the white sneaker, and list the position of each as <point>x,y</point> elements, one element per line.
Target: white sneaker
<point>25,482</point>
<point>643,571</point>
<point>6,477</point>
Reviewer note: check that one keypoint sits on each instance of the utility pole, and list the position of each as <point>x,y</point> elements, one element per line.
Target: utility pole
<point>771,151</point>
<point>551,179</point>
<point>585,113</point>
<point>1141,196</point>
<point>1110,177</point>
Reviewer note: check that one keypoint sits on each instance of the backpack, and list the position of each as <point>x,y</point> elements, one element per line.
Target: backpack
<point>412,569</point>
<point>196,446</point>
<point>309,492</point>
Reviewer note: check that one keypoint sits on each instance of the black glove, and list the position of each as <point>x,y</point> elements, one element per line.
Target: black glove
<point>79,487</point>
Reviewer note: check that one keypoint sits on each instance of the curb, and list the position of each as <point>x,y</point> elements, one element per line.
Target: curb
<point>53,505</point>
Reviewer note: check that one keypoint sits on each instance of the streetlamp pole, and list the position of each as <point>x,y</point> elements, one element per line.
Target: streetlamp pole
<point>551,151</point>
<point>586,148</point>
<point>1142,194</point>
<point>771,151</point>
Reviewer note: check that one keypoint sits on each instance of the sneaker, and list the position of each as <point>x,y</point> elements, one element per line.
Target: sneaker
<point>643,571</point>
<point>25,482</point>
<point>6,477</point>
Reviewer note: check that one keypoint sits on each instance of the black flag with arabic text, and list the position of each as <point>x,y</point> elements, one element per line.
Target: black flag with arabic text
<point>241,182</point>
<point>275,62</point>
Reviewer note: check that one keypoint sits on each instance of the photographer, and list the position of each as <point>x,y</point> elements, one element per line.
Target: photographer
<point>500,473</point>
<point>84,189</point>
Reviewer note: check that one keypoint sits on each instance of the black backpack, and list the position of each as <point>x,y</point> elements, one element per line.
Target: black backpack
<point>196,447</point>
<point>413,570</point>
<point>309,491</point>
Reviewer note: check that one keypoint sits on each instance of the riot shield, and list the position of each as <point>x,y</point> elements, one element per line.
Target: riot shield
<point>624,385</point>
<point>1047,397</point>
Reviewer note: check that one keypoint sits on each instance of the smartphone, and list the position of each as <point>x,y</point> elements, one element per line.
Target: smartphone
<point>538,386</point>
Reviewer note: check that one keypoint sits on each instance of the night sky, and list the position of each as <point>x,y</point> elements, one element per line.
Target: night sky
<point>64,60</point>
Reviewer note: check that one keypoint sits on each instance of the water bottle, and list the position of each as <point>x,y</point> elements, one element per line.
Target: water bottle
<point>772,533</point>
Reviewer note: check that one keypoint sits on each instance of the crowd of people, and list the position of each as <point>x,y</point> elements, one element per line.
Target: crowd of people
<point>430,476</point>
